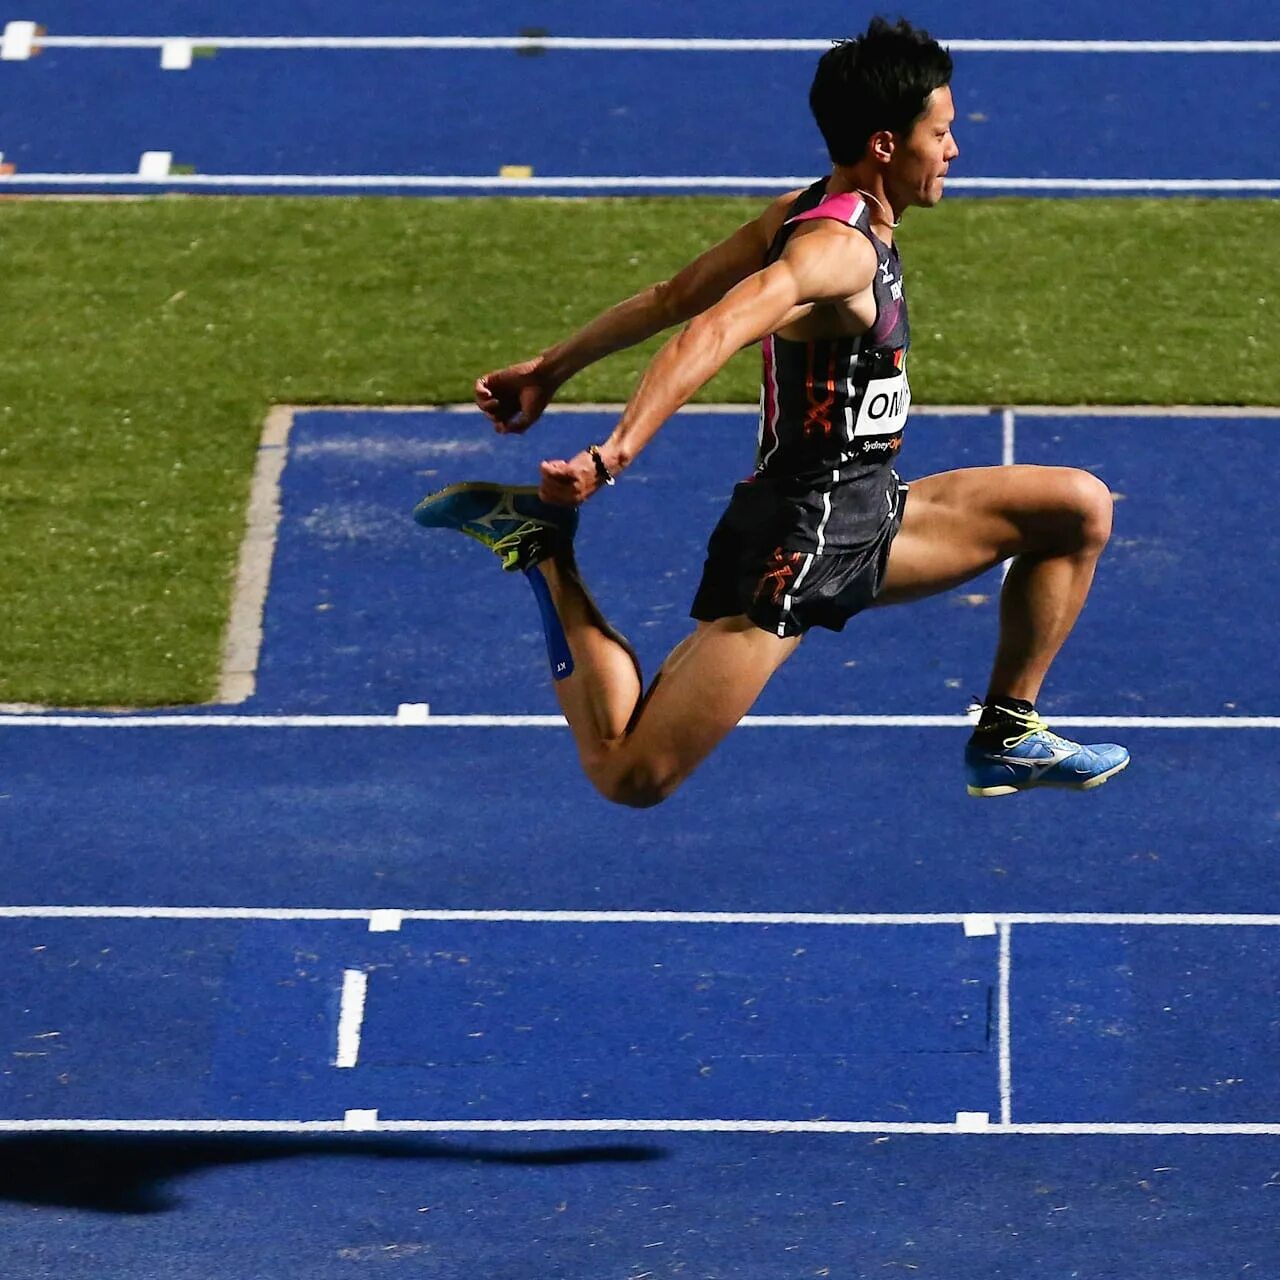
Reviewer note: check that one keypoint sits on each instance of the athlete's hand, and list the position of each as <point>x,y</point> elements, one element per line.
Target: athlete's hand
<point>513,398</point>
<point>568,484</point>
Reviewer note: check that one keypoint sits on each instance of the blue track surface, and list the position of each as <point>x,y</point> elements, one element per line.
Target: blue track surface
<point>777,820</point>
<point>466,113</point>
<point>704,1205</point>
<point>888,1025</point>
<point>344,638</point>
<point>638,1021</point>
<point>214,1019</point>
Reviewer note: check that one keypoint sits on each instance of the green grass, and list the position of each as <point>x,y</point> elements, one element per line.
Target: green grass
<point>146,340</point>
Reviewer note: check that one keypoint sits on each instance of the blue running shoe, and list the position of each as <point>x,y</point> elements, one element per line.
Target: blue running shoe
<point>1029,755</point>
<point>514,523</point>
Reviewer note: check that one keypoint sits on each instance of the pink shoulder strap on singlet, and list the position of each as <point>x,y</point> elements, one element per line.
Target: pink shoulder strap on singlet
<point>843,208</point>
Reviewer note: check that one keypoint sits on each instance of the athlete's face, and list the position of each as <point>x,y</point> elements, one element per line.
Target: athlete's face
<point>918,167</point>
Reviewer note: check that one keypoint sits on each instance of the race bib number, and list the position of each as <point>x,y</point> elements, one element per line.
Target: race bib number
<point>884,407</point>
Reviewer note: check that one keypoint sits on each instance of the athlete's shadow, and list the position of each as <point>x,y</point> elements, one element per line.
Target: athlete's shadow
<point>110,1173</point>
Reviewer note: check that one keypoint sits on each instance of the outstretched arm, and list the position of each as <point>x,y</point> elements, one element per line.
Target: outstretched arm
<point>822,263</point>
<point>514,398</point>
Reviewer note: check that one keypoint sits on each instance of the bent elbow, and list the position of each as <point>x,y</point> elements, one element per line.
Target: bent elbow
<point>716,335</point>
<point>671,303</point>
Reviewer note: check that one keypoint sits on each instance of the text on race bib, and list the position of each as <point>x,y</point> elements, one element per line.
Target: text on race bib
<point>884,407</point>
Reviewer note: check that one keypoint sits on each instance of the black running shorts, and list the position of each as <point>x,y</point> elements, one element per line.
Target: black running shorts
<point>790,563</point>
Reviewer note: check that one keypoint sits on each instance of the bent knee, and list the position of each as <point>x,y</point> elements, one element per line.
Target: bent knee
<point>1094,507</point>
<point>1082,509</point>
<point>638,786</point>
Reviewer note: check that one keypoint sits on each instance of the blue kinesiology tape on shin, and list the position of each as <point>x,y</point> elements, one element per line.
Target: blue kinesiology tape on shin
<point>557,645</point>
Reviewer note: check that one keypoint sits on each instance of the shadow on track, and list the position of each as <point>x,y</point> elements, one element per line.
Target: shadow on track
<point>126,1174</point>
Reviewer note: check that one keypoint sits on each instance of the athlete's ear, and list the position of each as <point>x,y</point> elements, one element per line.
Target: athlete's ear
<point>880,146</point>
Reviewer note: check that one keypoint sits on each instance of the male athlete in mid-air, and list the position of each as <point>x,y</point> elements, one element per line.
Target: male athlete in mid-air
<point>824,528</point>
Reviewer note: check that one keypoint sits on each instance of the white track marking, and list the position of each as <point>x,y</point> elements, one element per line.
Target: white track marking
<point>1115,184</point>
<point>628,1126</point>
<point>365,914</point>
<point>355,986</point>
<point>1005,1030</point>
<point>198,721</point>
<point>155,166</point>
<point>175,55</point>
<point>17,41</point>
<point>706,182</point>
<point>641,44</point>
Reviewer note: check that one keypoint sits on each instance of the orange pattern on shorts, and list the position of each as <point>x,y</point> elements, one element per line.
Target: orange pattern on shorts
<point>778,575</point>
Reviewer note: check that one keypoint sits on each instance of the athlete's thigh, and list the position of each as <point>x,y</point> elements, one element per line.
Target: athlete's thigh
<point>958,524</point>
<point>721,671</point>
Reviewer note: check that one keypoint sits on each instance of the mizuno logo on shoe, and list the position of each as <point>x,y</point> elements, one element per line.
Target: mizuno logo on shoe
<point>1037,764</point>
<point>504,510</point>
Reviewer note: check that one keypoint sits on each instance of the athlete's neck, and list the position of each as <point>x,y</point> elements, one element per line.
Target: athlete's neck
<point>884,218</point>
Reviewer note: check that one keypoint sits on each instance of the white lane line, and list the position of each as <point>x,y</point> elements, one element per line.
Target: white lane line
<point>355,986</point>
<point>1108,918</point>
<point>642,44</point>
<point>704,182</point>
<point>1006,1032</point>
<point>1115,184</point>
<point>365,1121</point>
<point>197,721</point>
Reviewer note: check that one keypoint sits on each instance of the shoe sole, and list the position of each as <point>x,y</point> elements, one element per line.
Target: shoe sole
<point>468,486</point>
<point>1097,781</point>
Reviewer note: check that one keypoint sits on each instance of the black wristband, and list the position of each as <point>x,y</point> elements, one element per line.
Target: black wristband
<point>603,474</point>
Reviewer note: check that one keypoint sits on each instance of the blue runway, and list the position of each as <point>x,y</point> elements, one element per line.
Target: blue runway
<point>478,1021</point>
<point>80,115</point>
<point>749,1205</point>
<point>777,820</point>
<point>504,1021</point>
<point>344,638</point>
<point>443,113</point>
<point>1149,1024</point>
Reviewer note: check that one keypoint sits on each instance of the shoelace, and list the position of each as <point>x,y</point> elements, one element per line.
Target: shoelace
<point>508,546</point>
<point>1035,725</point>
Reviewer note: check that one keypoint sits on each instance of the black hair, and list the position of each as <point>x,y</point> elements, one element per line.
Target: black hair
<point>879,80</point>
